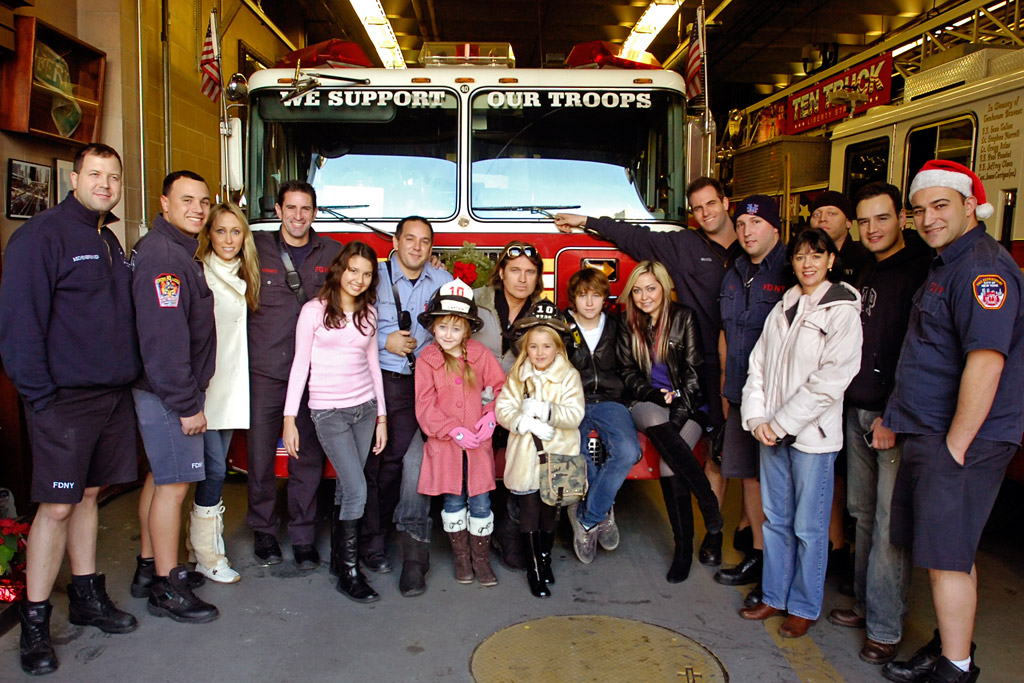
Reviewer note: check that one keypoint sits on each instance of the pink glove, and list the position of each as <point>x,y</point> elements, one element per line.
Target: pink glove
<point>464,438</point>
<point>485,426</point>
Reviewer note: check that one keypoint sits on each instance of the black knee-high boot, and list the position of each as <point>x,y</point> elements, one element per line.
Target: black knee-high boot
<point>678,455</point>
<point>532,544</point>
<point>680,516</point>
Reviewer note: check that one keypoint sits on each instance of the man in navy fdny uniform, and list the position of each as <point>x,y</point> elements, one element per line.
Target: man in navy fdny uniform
<point>957,400</point>
<point>178,344</point>
<point>293,265</point>
<point>67,337</point>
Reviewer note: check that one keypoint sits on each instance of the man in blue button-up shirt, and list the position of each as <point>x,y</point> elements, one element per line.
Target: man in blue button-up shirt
<point>957,399</point>
<point>392,477</point>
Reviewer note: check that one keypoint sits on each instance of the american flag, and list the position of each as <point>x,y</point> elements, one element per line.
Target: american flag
<point>694,63</point>
<point>209,67</point>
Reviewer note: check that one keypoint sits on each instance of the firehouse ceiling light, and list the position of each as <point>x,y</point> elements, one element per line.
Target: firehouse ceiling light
<point>380,32</point>
<point>654,18</point>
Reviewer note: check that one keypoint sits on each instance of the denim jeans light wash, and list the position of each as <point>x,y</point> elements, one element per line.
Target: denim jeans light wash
<point>614,426</point>
<point>215,461</point>
<point>881,570</point>
<point>796,491</point>
<point>346,435</point>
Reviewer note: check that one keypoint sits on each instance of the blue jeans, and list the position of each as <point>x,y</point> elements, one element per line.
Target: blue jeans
<point>479,505</point>
<point>881,570</point>
<point>614,425</point>
<point>346,435</point>
<point>796,491</point>
<point>215,455</point>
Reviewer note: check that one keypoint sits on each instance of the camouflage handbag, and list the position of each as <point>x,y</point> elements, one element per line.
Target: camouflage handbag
<point>563,478</point>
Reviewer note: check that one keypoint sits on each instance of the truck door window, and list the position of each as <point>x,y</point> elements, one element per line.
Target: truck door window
<point>866,162</point>
<point>950,140</point>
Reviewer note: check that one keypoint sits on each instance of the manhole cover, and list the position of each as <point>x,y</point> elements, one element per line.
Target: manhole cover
<point>592,647</point>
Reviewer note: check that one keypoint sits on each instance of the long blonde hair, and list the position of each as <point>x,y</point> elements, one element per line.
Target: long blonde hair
<point>454,365</point>
<point>250,268</point>
<point>524,356</point>
<point>639,322</point>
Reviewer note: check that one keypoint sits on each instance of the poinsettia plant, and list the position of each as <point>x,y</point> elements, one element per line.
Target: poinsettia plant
<point>469,264</point>
<point>13,534</point>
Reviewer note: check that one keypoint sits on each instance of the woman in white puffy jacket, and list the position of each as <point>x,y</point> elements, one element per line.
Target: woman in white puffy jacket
<point>807,355</point>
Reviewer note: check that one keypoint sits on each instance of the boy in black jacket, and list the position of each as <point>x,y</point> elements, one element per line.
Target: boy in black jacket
<point>591,350</point>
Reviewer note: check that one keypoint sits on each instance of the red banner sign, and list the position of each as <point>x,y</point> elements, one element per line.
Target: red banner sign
<point>810,108</point>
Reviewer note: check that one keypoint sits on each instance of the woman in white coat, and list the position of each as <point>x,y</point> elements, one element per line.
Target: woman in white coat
<point>232,268</point>
<point>807,355</point>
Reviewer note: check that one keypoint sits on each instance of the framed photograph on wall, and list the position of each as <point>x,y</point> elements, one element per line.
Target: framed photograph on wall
<point>28,188</point>
<point>63,171</point>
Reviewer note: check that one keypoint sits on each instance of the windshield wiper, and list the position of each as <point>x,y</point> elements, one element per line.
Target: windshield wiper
<point>303,82</point>
<point>542,210</point>
<point>334,212</point>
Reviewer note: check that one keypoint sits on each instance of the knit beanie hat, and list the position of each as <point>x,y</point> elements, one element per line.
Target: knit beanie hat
<point>761,206</point>
<point>836,199</point>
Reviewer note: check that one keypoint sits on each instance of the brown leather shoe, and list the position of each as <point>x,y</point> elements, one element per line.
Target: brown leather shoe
<point>760,612</point>
<point>874,652</point>
<point>795,627</point>
<point>846,618</point>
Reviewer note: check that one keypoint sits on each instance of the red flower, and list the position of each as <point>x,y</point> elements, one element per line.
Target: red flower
<point>465,272</point>
<point>13,527</point>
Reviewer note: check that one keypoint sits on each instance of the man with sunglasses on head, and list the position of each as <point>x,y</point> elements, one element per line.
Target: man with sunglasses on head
<point>514,286</point>
<point>407,281</point>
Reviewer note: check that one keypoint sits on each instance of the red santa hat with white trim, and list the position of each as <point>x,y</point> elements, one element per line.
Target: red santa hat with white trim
<point>940,173</point>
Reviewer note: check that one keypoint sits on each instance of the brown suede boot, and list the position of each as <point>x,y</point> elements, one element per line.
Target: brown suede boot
<point>463,562</point>
<point>480,529</point>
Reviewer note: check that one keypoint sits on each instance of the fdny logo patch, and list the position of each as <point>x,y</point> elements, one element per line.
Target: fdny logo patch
<point>168,290</point>
<point>990,291</point>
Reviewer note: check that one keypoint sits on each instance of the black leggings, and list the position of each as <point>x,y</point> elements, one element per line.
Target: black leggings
<point>535,514</point>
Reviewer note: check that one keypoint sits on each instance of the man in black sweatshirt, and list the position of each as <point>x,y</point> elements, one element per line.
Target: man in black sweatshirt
<point>67,336</point>
<point>178,343</point>
<point>881,570</point>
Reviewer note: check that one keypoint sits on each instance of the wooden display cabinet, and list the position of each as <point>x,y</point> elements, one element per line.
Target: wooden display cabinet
<point>28,101</point>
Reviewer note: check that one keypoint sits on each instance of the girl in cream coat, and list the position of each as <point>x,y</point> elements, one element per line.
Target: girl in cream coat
<point>543,396</point>
<point>228,254</point>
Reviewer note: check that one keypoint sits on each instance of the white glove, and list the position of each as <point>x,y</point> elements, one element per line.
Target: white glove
<point>536,408</point>
<point>541,430</point>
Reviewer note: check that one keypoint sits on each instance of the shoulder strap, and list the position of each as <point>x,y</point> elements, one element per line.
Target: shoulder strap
<point>394,289</point>
<point>291,276</point>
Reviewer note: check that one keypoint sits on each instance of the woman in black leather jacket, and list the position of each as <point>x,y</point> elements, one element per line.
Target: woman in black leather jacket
<point>660,354</point>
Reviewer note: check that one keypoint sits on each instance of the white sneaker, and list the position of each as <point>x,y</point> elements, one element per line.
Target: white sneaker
<point>220,573</point>
<point>608,532</point>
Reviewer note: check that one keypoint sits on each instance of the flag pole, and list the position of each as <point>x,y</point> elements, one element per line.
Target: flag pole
<point>701,25</point>
<point>225,129</point>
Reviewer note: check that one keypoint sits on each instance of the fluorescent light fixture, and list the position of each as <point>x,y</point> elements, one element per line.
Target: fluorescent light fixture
<point>906,48</point>
<point>654,18</point>
<point>380,32</point>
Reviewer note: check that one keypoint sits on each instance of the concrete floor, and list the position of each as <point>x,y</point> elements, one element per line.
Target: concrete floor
<point>279,624</point>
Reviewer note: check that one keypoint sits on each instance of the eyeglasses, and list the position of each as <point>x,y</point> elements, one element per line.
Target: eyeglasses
<point>517,251</point>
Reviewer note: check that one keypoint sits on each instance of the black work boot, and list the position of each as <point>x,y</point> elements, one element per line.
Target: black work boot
<point>172,597</point>
<point>946,671</point>
<point>266,549</point>
<point>746,572</point>
<point>89,605</point>
<point>145,574</point>
<point>415,565</point>
<point>680,517</point>
<point>351,582</point>
<point>532,545</point>
<point>918,668</point>
<point>37,655</point>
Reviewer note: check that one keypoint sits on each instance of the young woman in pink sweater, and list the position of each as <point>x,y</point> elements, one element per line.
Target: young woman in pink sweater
<point>336,351</point>
<point>454,377</point>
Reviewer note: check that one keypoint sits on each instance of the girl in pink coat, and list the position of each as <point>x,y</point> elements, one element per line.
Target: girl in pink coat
<point>455,377</point>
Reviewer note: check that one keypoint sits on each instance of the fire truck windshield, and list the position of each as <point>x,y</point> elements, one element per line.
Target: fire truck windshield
<point>381,160</point>
<point>608,152</point>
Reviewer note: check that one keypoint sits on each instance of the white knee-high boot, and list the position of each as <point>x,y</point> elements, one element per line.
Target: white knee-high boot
<point>206,531</point>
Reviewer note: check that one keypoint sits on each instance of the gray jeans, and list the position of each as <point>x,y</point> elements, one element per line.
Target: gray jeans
<point>881,570</point>
<point>346,435</point>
